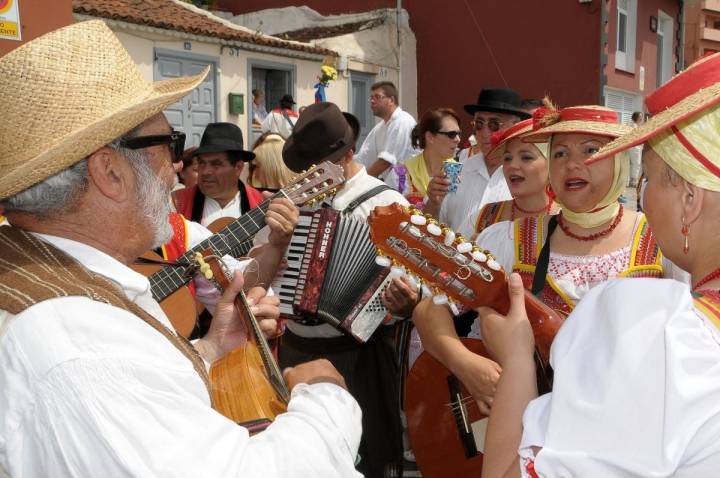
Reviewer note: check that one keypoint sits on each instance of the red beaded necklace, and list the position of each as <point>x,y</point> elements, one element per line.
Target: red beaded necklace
<point>711,276</point>
<point>545,209</point>
<point>594,236</point>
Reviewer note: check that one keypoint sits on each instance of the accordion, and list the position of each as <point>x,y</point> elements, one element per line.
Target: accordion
<point>331,275</point>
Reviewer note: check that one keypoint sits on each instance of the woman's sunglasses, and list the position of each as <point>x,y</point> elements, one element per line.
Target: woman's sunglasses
<point>450,134</point>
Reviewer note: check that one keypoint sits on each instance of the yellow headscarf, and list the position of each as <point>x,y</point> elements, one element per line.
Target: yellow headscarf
<point>701,132</point>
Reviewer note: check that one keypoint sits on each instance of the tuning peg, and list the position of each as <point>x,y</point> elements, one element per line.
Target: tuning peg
<point>478,255</point>
<point>316,174</point>
<point>397,270</point>
<point>493,264</point>
<point>382,260</point>
<point>440,299</point>
<point>449,236</point>
<point>463,246</point>
<point>433,228</point>
<point>453,307</point>
<point>418,220</point>
<point>426,292</point>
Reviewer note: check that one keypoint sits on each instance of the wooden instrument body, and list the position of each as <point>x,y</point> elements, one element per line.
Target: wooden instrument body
<point>180,306</point>
<point>432,426</point>
<point>241,389</point>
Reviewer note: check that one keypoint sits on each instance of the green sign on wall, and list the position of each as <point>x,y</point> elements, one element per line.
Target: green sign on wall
<point>236,102</point>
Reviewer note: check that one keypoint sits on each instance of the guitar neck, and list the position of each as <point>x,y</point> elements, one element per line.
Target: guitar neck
<point>234,239</point>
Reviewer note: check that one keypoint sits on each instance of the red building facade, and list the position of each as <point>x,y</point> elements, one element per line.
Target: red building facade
<point>38,17</point>
<point>567,49</point>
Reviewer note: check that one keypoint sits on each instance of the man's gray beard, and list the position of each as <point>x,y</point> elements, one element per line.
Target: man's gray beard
<point>153,199</point>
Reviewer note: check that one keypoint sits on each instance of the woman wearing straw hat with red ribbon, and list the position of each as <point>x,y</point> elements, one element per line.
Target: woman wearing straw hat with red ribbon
<point>637,364</point>
<point>526,173</point>
<point>595,239</point>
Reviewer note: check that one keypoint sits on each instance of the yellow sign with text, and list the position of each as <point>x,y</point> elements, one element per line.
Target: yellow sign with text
<point>10,20</point>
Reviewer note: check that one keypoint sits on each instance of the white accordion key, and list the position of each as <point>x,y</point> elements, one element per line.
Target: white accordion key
<point>383,261</point>
<point>440,299</point>
<point>493,264</point>
<point>464,247</point>
<point>449,238</point>
<point>479,256</point>
<point>418,220</point>
<point>434,229</point>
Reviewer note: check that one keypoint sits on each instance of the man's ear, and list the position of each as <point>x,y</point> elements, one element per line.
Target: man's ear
<point>111,174</point>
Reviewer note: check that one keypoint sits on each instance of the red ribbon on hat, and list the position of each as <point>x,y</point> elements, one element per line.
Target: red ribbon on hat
<point>544,117</point>
<point>499,136</point>
<point>701,74</point>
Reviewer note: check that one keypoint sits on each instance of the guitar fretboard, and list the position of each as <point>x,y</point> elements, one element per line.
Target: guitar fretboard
<point>233,238</point>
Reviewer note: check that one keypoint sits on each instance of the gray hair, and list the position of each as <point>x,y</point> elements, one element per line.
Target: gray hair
<point>61,192</point>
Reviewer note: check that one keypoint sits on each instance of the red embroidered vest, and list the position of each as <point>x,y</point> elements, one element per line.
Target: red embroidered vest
<point>489,215</point>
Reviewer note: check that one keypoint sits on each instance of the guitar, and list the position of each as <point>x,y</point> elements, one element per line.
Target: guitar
<point>247,385</point>
<point>445,424</point>
<point>313,185</point>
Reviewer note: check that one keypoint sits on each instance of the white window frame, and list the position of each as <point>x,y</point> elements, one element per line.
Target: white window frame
<point>626,60</point>
<point>666,31</point>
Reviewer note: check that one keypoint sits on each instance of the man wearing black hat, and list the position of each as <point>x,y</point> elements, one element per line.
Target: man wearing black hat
<point>220,193</point>
<point>482,179</point>
<point>281,120</point>
<point>324,133</point>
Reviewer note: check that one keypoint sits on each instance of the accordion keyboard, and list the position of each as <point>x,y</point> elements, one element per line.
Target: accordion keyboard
<point>286,282</point>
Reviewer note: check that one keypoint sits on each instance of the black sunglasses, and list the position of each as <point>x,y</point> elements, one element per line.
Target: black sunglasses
<point>450,134</point>
<point>175,141</point>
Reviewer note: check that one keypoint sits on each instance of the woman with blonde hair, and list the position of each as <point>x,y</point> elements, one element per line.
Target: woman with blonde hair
<point>525,168</point>
<point>637,380</point>
<point>267,171</point>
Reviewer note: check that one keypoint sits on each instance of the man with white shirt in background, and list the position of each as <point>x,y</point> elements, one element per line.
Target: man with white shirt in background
<point>481,180</point>
<point>388,144</point>
<point>95,382</point>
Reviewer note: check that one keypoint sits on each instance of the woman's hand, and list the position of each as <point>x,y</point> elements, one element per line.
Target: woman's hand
<point>510,336</point>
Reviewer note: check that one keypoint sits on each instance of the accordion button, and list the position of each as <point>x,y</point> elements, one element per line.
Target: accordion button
<point>479,256</point>
<point>440,299</point>
<point>449,238</point>
<point>494,265</point>
<point>383,261</point>
<point>464,247</point>
<point>434,229</point>
<point>418,220</point>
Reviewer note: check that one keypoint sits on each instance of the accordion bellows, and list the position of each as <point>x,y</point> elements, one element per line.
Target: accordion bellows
<point>332,275</point>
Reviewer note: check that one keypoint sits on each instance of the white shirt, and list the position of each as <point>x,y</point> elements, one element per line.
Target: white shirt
<point>212,210</point>
<point>88,389</point>
<point>360,183</point>
<point>636,391</point>
<point>389,140</point>
<point>476,189</point>
<point>275,122</point>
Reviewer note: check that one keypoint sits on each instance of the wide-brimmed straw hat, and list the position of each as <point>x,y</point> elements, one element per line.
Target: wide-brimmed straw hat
<point>500,139</point>
<point>686,94</point>
<point>66,94</point>
<point>591,119</point>
<point>321,134</point>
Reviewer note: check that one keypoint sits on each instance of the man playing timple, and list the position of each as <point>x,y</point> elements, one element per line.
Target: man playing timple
<point>388,145</point>
<point>482,178</point>
<point>220,193</point>
<point>94,380</point>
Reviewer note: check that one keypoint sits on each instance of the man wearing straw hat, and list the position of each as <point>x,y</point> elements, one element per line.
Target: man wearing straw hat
<point>94,380</point>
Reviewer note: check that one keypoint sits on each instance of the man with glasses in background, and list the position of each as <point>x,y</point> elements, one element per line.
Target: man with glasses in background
<point>388,145</point>
<point>482,179</point>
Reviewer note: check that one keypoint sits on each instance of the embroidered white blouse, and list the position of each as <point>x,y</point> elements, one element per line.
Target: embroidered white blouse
<point>87,389</point>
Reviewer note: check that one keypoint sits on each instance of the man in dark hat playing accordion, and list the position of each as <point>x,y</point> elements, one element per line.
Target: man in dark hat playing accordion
<point>324,133</point>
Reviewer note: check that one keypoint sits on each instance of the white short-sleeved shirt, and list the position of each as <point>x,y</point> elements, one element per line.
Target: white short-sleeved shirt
<point>636,389</point>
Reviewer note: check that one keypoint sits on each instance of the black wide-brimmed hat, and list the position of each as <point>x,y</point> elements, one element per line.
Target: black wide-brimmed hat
<point>498,100</point>
<point>321,134</point>
<point>221,137</point>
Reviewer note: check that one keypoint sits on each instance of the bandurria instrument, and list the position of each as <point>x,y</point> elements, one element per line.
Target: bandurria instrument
<point>446,427</point>
<point>332,276</point>
<point>308,187</point>
<point>247,385</point>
